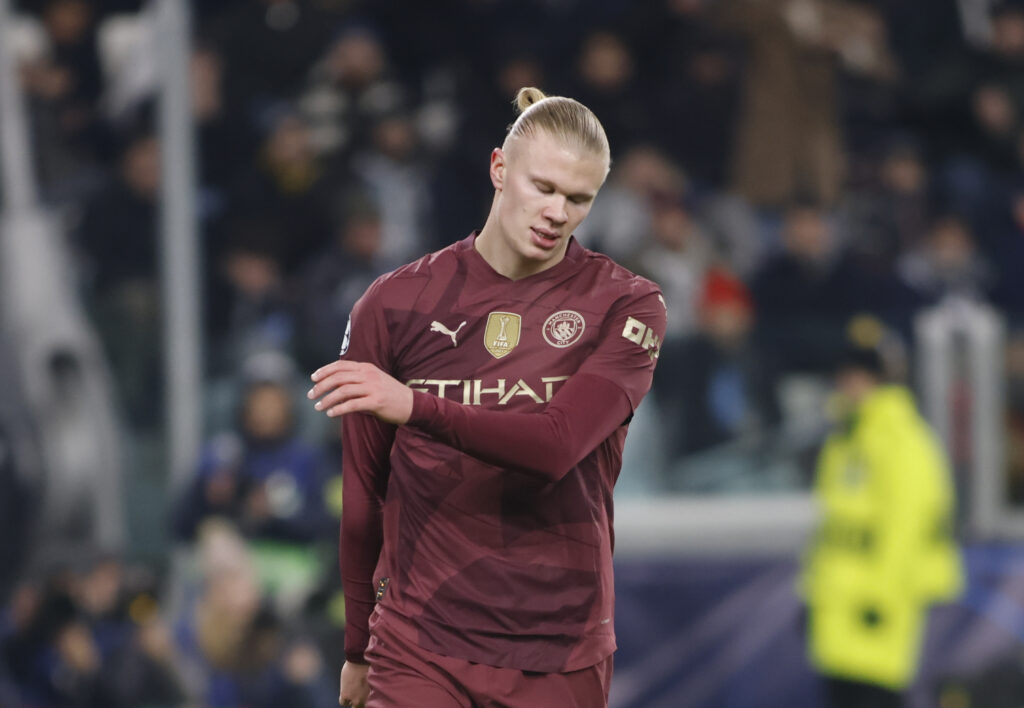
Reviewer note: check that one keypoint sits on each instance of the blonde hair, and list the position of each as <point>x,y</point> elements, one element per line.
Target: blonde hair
<point>564,118</point>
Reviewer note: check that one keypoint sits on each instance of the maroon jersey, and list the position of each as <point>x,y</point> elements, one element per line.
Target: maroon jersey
<point>484,526</point>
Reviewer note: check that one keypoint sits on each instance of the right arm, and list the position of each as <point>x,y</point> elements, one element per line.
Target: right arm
<point>366,447</point>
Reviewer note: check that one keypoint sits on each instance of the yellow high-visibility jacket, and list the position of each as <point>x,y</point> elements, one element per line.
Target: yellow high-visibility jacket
<point>884,550</point>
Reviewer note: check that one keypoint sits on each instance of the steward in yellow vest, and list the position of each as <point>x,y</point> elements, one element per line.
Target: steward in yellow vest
<point>884,550</point>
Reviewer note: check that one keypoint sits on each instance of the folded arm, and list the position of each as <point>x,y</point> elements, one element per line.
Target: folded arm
<point>584,412</point>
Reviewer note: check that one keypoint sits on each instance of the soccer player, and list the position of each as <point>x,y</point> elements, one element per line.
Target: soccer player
<point>486,391</point>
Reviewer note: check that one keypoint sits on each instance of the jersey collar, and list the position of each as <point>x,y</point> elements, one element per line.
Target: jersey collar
<point>479,264</point>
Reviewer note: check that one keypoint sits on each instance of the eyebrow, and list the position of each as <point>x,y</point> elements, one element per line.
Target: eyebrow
<point>549,183</point>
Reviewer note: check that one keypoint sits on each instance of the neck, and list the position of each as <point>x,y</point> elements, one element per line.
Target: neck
<point>493,247</point>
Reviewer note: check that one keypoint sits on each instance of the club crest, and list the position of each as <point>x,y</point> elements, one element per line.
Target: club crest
<point>501,335</point>
<point>564,328</point>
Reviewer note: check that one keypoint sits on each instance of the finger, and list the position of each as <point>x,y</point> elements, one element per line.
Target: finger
<point>332,368</point>
<point>337,366</point>
<point>353,405</point>
<point>325,370</point>
<point>338,379</point>
<point>342,394</point>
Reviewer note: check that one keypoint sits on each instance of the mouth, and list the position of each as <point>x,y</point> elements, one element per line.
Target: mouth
<point>544,238</point>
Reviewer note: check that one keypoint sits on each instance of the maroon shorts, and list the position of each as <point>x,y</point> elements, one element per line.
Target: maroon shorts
<point>403,675</point>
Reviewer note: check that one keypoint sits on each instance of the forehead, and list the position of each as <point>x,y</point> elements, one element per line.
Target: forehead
<point>543,156</point>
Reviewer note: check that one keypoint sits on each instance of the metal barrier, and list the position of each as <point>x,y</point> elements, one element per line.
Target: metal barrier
<point>961,377</point>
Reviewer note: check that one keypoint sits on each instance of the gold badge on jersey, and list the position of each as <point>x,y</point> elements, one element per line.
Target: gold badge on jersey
<point>501,335</point>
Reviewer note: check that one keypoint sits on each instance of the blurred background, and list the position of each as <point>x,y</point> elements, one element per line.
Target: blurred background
<point>194,195</point>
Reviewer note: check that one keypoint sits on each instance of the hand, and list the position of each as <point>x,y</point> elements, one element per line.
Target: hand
<point>350,386</point>
<point>993,109</point>
<point>76,646</point>
<point>355,688</point>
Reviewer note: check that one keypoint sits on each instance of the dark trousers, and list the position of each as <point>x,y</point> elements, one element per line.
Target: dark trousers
<point>842,693</point>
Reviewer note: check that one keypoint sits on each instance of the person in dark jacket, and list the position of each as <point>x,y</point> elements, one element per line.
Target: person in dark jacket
<point>262,476</point>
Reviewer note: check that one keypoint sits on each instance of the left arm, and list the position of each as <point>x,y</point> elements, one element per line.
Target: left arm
<point>589,407</point>
<point>584,412</point>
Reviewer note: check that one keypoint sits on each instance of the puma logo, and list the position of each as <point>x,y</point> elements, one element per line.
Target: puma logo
<point>436,326</point>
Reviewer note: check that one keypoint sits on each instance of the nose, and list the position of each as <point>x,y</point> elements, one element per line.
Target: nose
<point>555,210</point>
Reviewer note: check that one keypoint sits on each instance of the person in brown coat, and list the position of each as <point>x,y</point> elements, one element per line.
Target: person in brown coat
<point>789,139</point>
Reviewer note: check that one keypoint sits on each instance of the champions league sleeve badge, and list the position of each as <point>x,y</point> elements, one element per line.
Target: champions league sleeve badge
<point>348,338</point>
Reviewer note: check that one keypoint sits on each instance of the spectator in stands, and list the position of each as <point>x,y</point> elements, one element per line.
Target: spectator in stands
<point>212,629</point>
<point>17,614</point>
<point>685,61</point>
<point>268,46</point>
<point>118,238</point>
<point>256,312</point>
<point>118,230</point>
<point>99,593</point>
<point>52,656</point>
<point>346,89</point>
<point>395,173</point>
<point>1008,258</point>
<point>974,102</point>
<point>605,80</point>
<point>261,476</point>
<point>946,264</point>
<point>333,280</point>
<point>235,643</point>
<point>789,138</point>
<point>891,215</point>
<point>139,666</point>
<point>676,258</point>
<point>224,140</point>
<point>65,86</point>
<point>709,386</point>
<point>623,212</point>
<point>16,506</point>
<point>806,293</point>
<point>987,83</point>
<point>83,635</point>
<point>146,671</point>
<point>290,187</point>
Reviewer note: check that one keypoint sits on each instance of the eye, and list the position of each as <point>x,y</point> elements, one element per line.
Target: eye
<point>544,188</point>
<point>579,200</point>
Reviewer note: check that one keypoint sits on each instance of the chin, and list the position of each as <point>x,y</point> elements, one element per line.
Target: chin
<point>532,253</point>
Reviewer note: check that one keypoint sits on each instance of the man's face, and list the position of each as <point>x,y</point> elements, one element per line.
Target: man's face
<point>1008,34</point>
<point>951,246</point>
<point>267,414</point>
<point>853,385</point>
<point>545,190</point>
<point>362,237</point>
<point>806,235</point>
<point>141,167</point>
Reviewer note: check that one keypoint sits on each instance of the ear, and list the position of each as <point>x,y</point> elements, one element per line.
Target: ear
<point>497,170</point>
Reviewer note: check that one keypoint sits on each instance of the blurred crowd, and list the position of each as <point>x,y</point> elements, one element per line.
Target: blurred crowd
<point>789,171</point>
<point>95,631</point>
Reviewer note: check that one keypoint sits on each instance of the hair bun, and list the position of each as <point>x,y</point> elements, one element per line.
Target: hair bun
<point>528,96</point>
